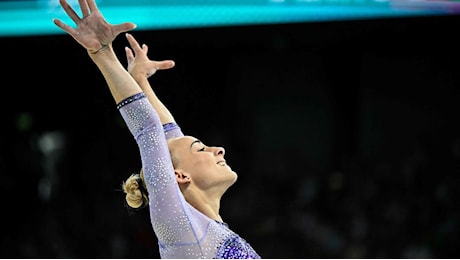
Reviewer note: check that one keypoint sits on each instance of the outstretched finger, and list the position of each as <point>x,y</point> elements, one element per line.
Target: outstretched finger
<point>68,29</point>
<point>129,55</point>
<point>133,43</point>
<point>69,10</point>
<point>84,7</point>
<point>145,48</point>
<point>166,64</point>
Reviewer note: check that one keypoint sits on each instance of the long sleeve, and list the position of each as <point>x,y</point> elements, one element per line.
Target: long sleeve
<point>182,231</point>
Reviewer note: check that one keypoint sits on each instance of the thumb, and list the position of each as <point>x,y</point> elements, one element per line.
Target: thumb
<point>166,64</point>
<point>124,27</point>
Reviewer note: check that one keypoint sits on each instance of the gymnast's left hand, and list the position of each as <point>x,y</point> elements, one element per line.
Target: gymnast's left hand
<point>139,65</point>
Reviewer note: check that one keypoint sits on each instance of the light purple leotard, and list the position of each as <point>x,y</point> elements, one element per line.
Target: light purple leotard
<point>182,231</point>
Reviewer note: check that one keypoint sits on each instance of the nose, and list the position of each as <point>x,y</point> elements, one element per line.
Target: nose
<point>219,151</point>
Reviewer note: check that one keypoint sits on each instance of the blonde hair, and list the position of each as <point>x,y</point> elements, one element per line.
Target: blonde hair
<point>136,191</point>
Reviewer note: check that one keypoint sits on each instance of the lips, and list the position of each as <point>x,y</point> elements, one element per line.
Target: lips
<point>221,163</point>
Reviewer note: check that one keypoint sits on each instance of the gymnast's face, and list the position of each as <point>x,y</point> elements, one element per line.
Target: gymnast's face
<point>204,166</point>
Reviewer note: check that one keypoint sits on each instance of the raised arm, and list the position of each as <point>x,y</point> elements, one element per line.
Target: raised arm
<point>141,68</point>
<point>96,35</point>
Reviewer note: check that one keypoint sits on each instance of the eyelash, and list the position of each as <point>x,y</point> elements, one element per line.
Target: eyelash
<point>201,150</point>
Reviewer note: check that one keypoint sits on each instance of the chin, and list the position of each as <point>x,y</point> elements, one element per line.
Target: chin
<point>235,177</point>
<point>230,177</point>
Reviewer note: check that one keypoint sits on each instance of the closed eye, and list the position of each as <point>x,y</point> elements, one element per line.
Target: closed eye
<point>197,142</point>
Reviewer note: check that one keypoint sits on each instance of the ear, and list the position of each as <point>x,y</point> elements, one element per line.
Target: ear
<point>182,177</point>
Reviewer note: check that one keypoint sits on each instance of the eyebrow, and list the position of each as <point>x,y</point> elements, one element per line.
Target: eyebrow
<point>196,141</point>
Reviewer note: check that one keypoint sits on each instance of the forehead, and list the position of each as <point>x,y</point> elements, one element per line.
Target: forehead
<point>182,141</point>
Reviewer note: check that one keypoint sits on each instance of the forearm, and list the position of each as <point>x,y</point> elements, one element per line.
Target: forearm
<point>119,81</point>
<point>164,114</point>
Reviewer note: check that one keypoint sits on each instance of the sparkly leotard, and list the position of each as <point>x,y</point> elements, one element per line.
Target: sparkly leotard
<point>182,231</point>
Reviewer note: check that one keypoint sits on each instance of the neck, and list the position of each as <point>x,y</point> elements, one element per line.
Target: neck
<point>208,205</point>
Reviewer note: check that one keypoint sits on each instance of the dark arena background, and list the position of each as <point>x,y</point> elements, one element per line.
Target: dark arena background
<point>344,133</point>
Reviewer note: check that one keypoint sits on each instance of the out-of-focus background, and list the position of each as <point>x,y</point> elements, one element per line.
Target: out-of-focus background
<point>342,126</point>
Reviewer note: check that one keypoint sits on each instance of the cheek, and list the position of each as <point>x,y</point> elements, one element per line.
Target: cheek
<point>194,164</point>
<point>201,164</point>
<point>203,168</point>
<point>201,160</point>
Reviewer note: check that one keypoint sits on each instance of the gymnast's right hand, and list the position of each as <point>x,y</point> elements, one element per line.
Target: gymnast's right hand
<point>93,32</point>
